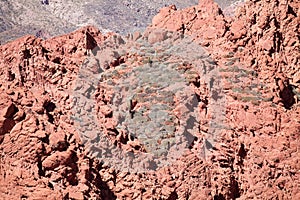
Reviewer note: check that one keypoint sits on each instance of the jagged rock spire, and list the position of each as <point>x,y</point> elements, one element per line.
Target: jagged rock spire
<point>90,42</point>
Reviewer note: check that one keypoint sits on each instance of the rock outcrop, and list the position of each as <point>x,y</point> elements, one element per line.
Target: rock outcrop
<point>226,88</point>
<point>41,156</point>
<point>258,55</point>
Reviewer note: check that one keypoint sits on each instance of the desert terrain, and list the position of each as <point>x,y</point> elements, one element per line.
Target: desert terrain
<point>197,100</point>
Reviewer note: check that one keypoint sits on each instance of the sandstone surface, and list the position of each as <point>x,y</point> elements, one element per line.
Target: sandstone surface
<point>225,90</point>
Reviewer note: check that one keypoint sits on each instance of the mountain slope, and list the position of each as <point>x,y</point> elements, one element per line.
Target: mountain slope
<point>28,17</point>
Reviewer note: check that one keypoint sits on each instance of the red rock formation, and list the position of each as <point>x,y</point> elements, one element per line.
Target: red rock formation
<point>256,154</point>
<point>260,40</point>
<point>203,21</point>
<point>41,157</point>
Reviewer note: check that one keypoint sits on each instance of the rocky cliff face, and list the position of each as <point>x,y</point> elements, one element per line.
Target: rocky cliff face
<point>260,69</point>
<point>200,105</point>
<point>35,100</point>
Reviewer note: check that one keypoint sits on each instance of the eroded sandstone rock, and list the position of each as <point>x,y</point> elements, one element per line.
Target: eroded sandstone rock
<point>256,153</point>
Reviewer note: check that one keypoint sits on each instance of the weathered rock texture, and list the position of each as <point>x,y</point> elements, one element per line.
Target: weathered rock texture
<point>256,151</point>
<point>41,157</point>
<point>258,51</point>
<point>22,17</point>
<point>150,89</point>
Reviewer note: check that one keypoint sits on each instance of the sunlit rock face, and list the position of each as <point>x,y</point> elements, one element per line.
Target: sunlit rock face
<point>208,103</point>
